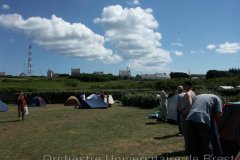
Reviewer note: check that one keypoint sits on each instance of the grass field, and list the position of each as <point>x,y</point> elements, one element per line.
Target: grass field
<point>58,131</point>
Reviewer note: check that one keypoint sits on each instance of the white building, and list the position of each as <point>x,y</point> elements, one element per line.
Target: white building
<point>50,73</point>
<point>125,73</point>
<point>155,76</point>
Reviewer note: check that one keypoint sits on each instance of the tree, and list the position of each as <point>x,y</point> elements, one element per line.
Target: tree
<point>216,74</point>
<point>179,75</point>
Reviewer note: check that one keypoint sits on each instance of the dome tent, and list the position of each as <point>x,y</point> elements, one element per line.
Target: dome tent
<point>93,102</point>
<point>37,101</point>
<point>3,107</point>
<point>72,101</point>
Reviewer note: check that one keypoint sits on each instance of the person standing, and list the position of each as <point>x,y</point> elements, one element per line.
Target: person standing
<point>21,105</point>
<point>163,104</point>
<point>187,103</point>
<point>179,108</point>
<point>203,137</point>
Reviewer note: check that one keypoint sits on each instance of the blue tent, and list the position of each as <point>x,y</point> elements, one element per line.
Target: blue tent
<point>3,107</point>
<point>93,102</point>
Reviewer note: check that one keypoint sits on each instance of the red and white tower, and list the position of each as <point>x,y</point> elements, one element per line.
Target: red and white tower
<point>29,70</point>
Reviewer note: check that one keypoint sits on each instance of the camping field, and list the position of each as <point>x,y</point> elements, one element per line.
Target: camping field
<point>61,132</point>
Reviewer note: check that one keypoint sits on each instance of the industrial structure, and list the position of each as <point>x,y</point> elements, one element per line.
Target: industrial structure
<point>29,69</point>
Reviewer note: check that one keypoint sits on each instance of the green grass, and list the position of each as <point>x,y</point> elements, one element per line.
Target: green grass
<point>58,130</point>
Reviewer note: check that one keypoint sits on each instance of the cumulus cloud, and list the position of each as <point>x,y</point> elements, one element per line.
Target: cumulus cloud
<point>225,48</point>
<point>177,44</point>
<point>178,53</point>
<point>132,32</point>
<point>60,36</point>
<point>228,48</point>
<point>150,63</point>
<point>5,7</point>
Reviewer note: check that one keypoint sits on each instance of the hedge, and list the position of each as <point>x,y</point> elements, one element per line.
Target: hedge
<point>143,100</point>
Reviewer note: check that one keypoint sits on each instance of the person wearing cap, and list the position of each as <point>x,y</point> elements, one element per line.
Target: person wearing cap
<point>179,108</point>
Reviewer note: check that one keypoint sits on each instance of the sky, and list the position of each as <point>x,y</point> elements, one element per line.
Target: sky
<point>148,36</point>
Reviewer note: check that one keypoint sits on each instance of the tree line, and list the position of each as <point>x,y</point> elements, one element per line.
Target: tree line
<point>218,74</point>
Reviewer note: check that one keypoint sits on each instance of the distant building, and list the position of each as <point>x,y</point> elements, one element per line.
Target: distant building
<point>98,72</point>
<point>55,75</point>
<point>75,71</point>
<point>22,75</point>
<point>2,73</point>
<point>51,74</point>
<point>125,73</point>
<point>155,76</point>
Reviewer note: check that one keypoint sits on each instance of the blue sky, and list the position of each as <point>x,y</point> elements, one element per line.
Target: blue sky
<point>148,36</point>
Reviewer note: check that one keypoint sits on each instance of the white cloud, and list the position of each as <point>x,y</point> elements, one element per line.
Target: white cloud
<point>5,7</point>
<point>197,52</point>
<point>151,63</point>
<point>177,44</point>
<point>62,37</point>
<point>226,48</point>
<point>211,46</point>
<point>133,2</point>
<point>178,53</point>
<point>131,32</point>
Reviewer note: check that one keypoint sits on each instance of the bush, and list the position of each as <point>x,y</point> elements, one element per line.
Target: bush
<point>143,100</point>
<point>71,84</point>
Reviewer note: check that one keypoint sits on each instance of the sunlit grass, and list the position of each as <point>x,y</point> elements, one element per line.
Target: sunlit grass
<point>58,130</point>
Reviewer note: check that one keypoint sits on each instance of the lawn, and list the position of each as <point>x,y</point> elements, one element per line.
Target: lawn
<point>60,131</point>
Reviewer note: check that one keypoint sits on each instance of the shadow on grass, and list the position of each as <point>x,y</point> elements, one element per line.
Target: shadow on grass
<point>172,155</point>
<point>9,121</point>
<point>162,122</point>
<point>153,123</point>
<point>166,137</point>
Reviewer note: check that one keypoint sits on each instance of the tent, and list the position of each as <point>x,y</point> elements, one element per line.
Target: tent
<point>229,128</point>
<point>3,107</point>
<point>93,102</point>
<point>225,88</point>
<point>109,100</point>
<point>172,111</point>
<point>37,101</point>
<point>72,101</point>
